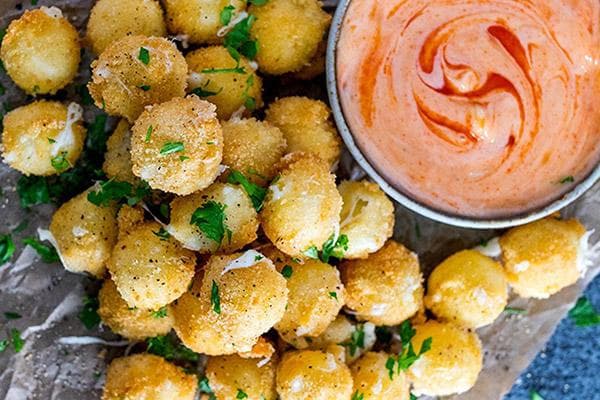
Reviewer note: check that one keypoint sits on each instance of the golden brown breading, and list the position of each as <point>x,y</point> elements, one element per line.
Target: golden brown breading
<point>117,159</point>
<point>372,381</point>
<point>227,375</point>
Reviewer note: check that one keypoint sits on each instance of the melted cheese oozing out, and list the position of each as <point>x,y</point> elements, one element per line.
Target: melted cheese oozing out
<point>53,12</point>
<point>45,234</point>
<point>65,140</point>
<point>491,248</point>
<point>248,259</point>
<point>225,29</point>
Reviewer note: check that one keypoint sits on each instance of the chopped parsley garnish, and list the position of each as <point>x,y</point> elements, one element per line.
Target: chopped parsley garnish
<point>16,340</point>
<point>312,252</point>
<point>249,101</point>
<point>210,219</point>
<point>358,396</point>
<point>113,190</point>
<point>51,141</point>
<point>162,234</point>
<point>333,295</point>
<point>241,395</point>
<point>97,135</point>
<point>160,313</point>
<point>234,70</point>
<point>60,162</point>
<point>46,252</point>
<point>357,340</point>
<point>407,356</point>
<point>287,271</point>
<point>258,258</point>
<point>149,133</point>
<point>226,14</point>
<point>514,310</point>
<point>164,211</point>
<point>183,158</point>
<point>32,190</point>
<point>567,179</point>
<point>584,314</point>
<point>3,345</point>
<point>144,55</point>
<point>334,248</point>
<point>84,94</point>
<point>215,300</point>
<point>535,395</point>
<point>34,2</point>
<point>145,88</point>
<point>204,387</point>
<point>89,313</point>
<point>413,397</point>
<point>200,92</point>
<point>7,248</point>
<point>238,41</point>
<point>256,193</point>
<point>168,348</point>
<point>172,147</point>
<point>12,315</point>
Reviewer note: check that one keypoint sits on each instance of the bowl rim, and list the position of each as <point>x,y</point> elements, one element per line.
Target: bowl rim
<point>429,212</point>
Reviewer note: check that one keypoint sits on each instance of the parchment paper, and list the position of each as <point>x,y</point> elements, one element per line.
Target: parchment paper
<point>49,298</point>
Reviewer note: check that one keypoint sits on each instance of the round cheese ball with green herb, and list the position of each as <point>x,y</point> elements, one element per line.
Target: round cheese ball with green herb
<point>110,20</point>
<point>43,138</point>
<point>85,234</point>
<point>130,322</point>
<point>177,146</point>
<point>316,295</point>
<point>453,363</point>
<point>306,126</point>
<point>545,256</point>
<point>468,289</point>
<point>135,72</point>
<point>41,51</point>
<point>313,375</point>
<point>232,377</point>
<point>149,377</point>
<point>225,82</point>
<point>372,381</point>
<point>233,300</point>
<point>149,269</point>
<point>384,288</point>
<point>253,148</point>
<point>367,217</point>
<point>302,207</point>
<point>220,218</point>
<point>199,21</point>
<point>117,159</point>
<point>288,33</point>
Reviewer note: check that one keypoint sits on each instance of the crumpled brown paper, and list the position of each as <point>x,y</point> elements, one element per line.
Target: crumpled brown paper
<point>62,360</point>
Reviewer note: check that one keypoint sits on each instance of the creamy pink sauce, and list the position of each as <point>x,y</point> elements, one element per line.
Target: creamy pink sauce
<point>474,107</point>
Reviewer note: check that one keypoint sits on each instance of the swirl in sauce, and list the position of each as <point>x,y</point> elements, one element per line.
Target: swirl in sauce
<point>474,107</point>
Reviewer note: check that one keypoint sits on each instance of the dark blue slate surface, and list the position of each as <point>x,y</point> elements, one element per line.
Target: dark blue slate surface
<point>569,367</point>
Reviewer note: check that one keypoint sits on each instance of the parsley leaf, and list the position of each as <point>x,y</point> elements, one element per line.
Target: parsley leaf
<point>413,397</point>
<point>249,101</point>
<point>169,349</point>
<point>357,340</point>
<point>89,313</point>
<point>113,190</point>
<point>567,179</point>
<point>513,310</point>
<point>7,248</point>
<point>235,70</point>
<point>204,387</point>
<point>259,2</point>
<point>584,313</point>
<point>3,345</point>
<point>407,356</point>
<point>287,271</point>
<point>215,299</point>
<point>149,133</point>
<point>84,94</point>
<point>200,92</point>
<point>172,147</point>
<point>226,14</point>
<point>358,396</point>
<point>144,55</point>
<point>97,135</point>
<point>16,340</point>
<point>145,88</point>
<point>32,190</point>
<point>334,248</point>
<point>238,41</point>
<point>333,295</point>
<point>12,315</point>
<point>162,234</point>
<point>46,252</point>
<point>241,395</point>
<point>535,395</point>
<point>256,193</point>
<point>60,162</point>
<point>160,313</point>
<point>210,219</point>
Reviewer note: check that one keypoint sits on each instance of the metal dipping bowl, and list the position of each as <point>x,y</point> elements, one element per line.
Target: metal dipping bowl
<point>404,199</point>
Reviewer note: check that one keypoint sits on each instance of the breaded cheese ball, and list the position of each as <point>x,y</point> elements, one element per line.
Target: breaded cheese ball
<point>117,159</point>
<point>316,295</point>
<point>177,146</point>
<point>85,234</point>
<point>306,126</point>
<point>367,217</point>
<point>289,33</point>
<point>233,301</point>
<point>253,148</point>
<point>228,376</point>
<point>148,377</point>
<point>384,288</point>
<point>213,74</point>
<point>453,363</point>
<point>110,20</point>
<point>137,71</point>
<point>316,66</point>
<point>129,218</point>
<point>43,138</point>
<point>545,256</point>
<point>372,381</point>
<point>40,51</point>
<point>468,289</point>
<point>131,323</point>
<point>313,375</point>
<point>150,271</point>
<point>302,207</point>
<point>199,20</point>
<point>240,218</point>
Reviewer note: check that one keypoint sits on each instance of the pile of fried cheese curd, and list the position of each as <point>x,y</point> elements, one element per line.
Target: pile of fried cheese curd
<point>283,294</point>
